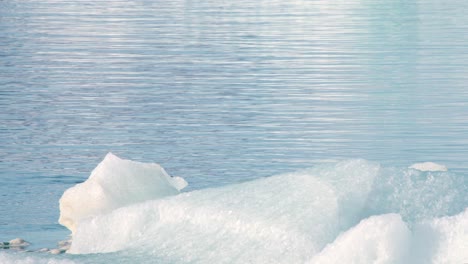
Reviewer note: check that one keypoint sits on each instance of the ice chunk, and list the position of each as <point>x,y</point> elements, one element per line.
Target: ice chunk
<point>378,239</point>
<point>278,218</point>
<point>347,212</point>
<point>19,242</point>
<point>428,166</point>
<point>352,181</point>
<point>115,183</point>
<point>442,240</point>
<point>281,219</point>
<point>417,195</point>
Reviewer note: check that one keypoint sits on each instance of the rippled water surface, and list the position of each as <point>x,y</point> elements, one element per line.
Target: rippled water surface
<point>221,91</point>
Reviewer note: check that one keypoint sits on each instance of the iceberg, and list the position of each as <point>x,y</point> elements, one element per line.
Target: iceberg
<point>261,222</point>
<point>352,211</point>
<point>278,219</point>
<point>115,183</point>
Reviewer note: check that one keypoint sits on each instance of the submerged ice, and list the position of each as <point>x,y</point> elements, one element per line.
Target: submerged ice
<point>353,211</point>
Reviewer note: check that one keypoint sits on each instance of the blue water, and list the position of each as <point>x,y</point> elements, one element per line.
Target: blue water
<point>221,92</point>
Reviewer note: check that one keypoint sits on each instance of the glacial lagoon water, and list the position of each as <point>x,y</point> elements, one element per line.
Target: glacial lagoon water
<point>232,96</point>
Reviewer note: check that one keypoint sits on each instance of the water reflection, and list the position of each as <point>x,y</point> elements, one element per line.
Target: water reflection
<point>277,84</point>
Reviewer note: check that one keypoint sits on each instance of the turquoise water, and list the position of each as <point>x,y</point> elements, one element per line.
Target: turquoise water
<point>222,92</point>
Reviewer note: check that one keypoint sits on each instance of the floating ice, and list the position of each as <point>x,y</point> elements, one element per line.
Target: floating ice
<point>260,222</point>
<point>428,166</point>
<point>349,212</point>
<point>387,239</point>
<point>115,183</point>
<point>281,219</point>
<point>378,239</point>
<point>17,243</point>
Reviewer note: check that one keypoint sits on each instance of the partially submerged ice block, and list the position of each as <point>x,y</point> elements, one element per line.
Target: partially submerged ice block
<point>428,166</point>
<point>114,183</point>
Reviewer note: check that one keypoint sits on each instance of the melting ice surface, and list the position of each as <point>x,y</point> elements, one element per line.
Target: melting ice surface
<point>353,211</point>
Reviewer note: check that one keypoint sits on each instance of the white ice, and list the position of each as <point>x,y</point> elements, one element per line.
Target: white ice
<point>428,166</point>
<point>442,240</point>
<point>321,215</point>
<point>270,220</point>
<point>378,239</point>
<point>115,183</point>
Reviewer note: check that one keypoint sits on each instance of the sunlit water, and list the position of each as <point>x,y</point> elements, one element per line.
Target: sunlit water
<point>221,92</point>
